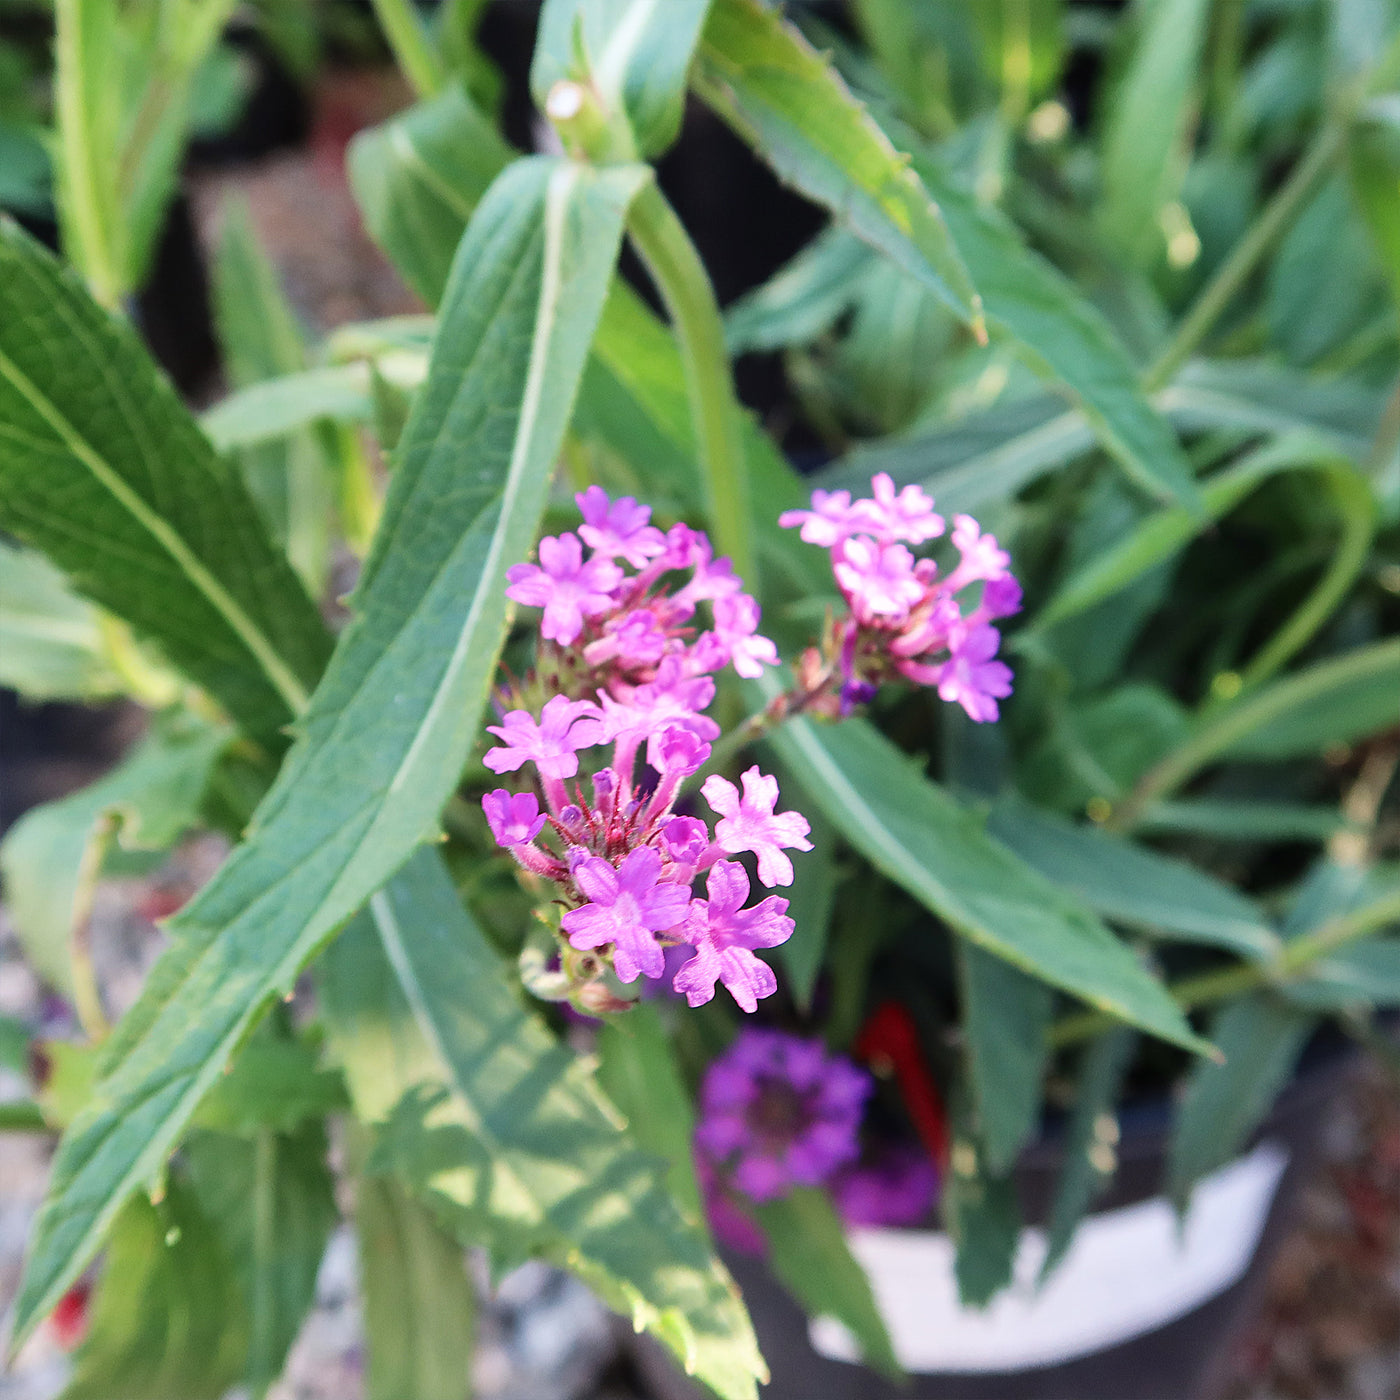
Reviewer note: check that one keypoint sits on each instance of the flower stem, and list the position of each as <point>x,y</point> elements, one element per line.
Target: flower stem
<point>408,37</point>
<point>1232,274</point>
<point>671,259</point>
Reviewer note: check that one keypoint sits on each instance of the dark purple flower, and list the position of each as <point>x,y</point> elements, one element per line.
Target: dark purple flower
<point>896,1187</point>
<point>777,1111</point>
<point>514,817</point>
<point>731,1223</point>
<point>724,935</point>
<point>627,909</point>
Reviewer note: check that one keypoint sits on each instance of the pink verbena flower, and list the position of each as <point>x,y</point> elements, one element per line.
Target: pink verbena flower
<point>724,935</point>
<point>970,677</point>
<point>750,824</point>
<point>619,529</point>
<point>736,630</point>
<point>832,518</point>
<point>878,579</point>
<point>982,557</point>
<point>514,817</point>
<point>564,585</point>
<point>777,1111</point>
<point>905,515</point>
<point>551,743</point>
<point>627,908</point>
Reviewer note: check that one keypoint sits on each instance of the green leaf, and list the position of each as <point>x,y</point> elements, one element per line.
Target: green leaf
<point>918,836</point>
<point>1005,1023</point>
<point>506,1134</point>
<point>274,1084</point>
<point>276,408</point>
<point>419,1303</point>
<point>1332,702</point>
<point>1227,820</point>
<point>1367,974</point>
<point>1132,884</point>
<point>803,299</point>
<point>167,1320</point>
<point>637,52</point>
<point>393,720</point>
<point>1091,1141</point>
<point>103,469</point>
<point>152,798</point>
<point>1145,151</point>
<point>15,1037</point>
<point>272,1199</point>
<point>417,179</point>
<point>292,480</point>
<point>637,1069</point>
<point>1373,165</point>
<point>811,906</point>
<point>51,644</point>
<point>759,73</point>
<point>1260,1037</point>
<point>808,1252</point>
<point>1061,336</point>
<point>983,1215</point>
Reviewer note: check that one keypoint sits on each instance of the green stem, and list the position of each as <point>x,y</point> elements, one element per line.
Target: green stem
<point>1216,735</point>
<point>261,1367</point>
<point>674,265</point>
<point>413,51</point>
<point>1232,274</point>
<point>22,1116</point>
<point>1227,47</point>
<point>1226,982</point>
<point>87,998</point>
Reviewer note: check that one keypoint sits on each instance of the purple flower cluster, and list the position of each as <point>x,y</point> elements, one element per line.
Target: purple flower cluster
<point>905,619</point>
<point>777,1111</point>
<point>630,670</point>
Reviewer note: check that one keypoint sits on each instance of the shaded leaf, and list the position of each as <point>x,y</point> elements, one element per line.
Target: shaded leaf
<point>1091,1140</point>
<point>1365,974</point>
<point>419,1303</point>
<point>983,1216</point>
<point>808,1252</point>
<point>167,1321</point>
<point>262,413</point>
<point>274,1084</point>
<point>1133,884</point>
<point>103,469</point>
<point>397,712</point>
<point>918,836</point>
<point>505,1134</point>
<point>152,798</point>
<point>272,1199</point>
<point>1260,1037</point>
<point>1005,1025</point>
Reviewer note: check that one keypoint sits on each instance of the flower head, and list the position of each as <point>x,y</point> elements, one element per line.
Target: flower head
<point>970,677</point>
<point>905,515</point>
<point>777,1111</point>
<point>514,817</point>
<point>750,824</point>
<point>879,579</point>
<point>724,935</point>
<point>619,529</point>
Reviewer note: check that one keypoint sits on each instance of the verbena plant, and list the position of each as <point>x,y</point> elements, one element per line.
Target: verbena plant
<point>1151,345</point>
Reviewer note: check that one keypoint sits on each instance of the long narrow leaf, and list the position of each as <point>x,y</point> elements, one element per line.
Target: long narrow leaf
<point>395,716</point>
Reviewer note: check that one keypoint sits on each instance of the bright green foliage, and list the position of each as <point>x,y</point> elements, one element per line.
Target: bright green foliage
<point>51,642</point>
<point>104,470</point>
<point>396,714</point>
<point>763,78</point>
<point>635,54</point>
<point>145,804</point>
<point>1006,1018</point>
<point>912,831</point>
<point>419,1303</point>
<point>168,1319</point>
<point>808,1251</point>
<point>292,480</point>
<point>506,1134</point>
